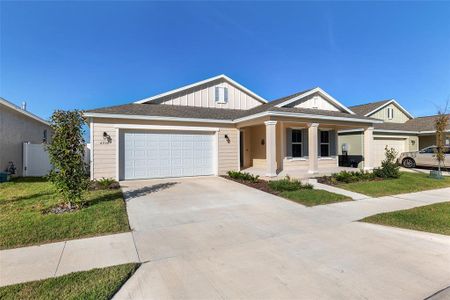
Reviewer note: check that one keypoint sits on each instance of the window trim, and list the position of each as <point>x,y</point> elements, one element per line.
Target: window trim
<point>327,143</point>
<point>390,113</point>
<point>297,143</point>
<point>218,94</point>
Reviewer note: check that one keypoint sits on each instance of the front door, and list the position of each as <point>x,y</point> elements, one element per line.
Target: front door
<point>241,149</point>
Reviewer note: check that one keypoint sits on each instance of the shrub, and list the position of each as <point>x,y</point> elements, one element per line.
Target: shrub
<point>389,167</point>
<point>352,176</point>
<point>243,176</point>
<point>66,152</point>
<point>288,184</point>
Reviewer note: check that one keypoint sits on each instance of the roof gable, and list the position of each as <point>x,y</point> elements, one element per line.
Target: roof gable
<point>371,108</point>
<point>203,82</point>
<point>21,111</point>
<point>324,95</point>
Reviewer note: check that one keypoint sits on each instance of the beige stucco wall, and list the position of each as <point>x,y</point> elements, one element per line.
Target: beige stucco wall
<point>257,134</point>
<point>105,154</point>
<point>355,142</point>
<point>204,96</point>
<point>15,129</point>
<point>399,116</point>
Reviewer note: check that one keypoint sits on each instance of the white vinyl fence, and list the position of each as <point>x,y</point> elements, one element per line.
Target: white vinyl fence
<point>35,160</point>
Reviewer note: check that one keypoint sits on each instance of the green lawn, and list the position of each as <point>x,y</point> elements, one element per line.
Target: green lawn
<point>431,218</point>
<point>94,284</point>
<point>407,183</point>
<point>310,197</point>
<point>22,222</point>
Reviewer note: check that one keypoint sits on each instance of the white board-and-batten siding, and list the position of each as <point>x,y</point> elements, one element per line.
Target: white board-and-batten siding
<point>317,102</point>
<point>204,96</point>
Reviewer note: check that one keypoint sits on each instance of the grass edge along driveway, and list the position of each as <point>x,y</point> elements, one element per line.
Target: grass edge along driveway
<point>94,284</point>
<point>23,221</point>
<point>407,183</point>
<point>434,218</point>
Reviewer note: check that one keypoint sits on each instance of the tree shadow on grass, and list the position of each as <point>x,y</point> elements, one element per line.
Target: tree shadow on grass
<point>128,195</point>
<point>23,198</point>
<point>103,198</point>
<point>29,179</point>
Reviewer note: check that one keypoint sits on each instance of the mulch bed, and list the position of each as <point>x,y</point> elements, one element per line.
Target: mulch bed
<point>261,185</point>
<point>328,180</point>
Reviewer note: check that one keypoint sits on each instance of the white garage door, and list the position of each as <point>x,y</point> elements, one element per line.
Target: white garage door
<point>380,145</point>
<point>159,154</point>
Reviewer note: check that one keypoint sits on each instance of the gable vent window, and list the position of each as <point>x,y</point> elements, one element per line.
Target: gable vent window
<point>390,113</point>
<point>221,95</point>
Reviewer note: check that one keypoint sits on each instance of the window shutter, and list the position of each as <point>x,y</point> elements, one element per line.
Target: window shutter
<point>318,143</point>
<point>288,142</point>
<point>225,94</point>
<point>333,141</point>
<point>305,141</point>
<point>216,95</point>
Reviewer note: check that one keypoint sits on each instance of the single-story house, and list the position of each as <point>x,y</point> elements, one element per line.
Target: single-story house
<point>217,125</point>
<point>400,130</point>
<point>17,125</point>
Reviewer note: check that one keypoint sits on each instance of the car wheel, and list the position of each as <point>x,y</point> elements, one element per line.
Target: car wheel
<point>408,163</point>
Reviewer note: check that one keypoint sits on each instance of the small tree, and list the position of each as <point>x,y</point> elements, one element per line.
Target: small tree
<point>440,124</point>
<point>66,152</point>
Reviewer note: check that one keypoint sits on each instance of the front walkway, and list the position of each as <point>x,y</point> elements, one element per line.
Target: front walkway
<point>213,238</point>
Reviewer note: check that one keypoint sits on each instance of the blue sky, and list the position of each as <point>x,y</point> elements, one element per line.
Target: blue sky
<point>92,54</point>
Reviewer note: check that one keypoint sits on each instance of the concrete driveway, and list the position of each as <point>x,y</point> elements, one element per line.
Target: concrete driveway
<point>208,238</point>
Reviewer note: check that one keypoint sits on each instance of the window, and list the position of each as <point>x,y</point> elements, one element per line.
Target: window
<point>324,143</point>
<point>221,94</point>
<point>297,143</point>
<point>390,113</point>
<point>428,150</point>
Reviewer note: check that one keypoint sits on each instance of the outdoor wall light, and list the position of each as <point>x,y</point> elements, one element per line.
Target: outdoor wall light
<point>106,138</point>
<point>263,142</point>
<point>227,138</point>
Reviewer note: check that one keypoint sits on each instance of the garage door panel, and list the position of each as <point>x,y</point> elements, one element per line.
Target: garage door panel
<point>155,154</point>
<point>399,144</point>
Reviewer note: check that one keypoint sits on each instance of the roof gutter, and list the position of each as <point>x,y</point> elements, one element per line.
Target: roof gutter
<point>155,118</point>
<point>251,117</point>
<point>306,116</point>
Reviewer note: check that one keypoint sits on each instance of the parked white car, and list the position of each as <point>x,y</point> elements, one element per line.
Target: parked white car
<point>425,157</point>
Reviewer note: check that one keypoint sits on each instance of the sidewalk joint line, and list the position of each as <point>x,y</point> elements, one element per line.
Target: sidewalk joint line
<point>135,247</point>
<point>60,258</point>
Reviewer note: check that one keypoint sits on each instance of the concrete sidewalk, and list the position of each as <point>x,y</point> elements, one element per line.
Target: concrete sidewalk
<point>56,259</point>
<point>336,190</point>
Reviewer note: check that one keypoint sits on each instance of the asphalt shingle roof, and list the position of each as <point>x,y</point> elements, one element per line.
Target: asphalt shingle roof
<point>417,124</point>
<point>149,109</point>
<point>364,109</point>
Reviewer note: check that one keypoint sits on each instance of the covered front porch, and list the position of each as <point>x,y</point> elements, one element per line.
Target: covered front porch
<point>300,148</point>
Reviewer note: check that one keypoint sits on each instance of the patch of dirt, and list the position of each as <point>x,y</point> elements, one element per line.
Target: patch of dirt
<point>61,209</point>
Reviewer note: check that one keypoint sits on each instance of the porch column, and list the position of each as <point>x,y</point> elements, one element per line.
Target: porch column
<point>271,148</point>
<point>313,153</point>
<point>368,151</point>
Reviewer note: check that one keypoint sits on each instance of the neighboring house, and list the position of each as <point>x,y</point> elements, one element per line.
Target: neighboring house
<point>217,125</point>
<point>400,131</point>
<point>17,125</point>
